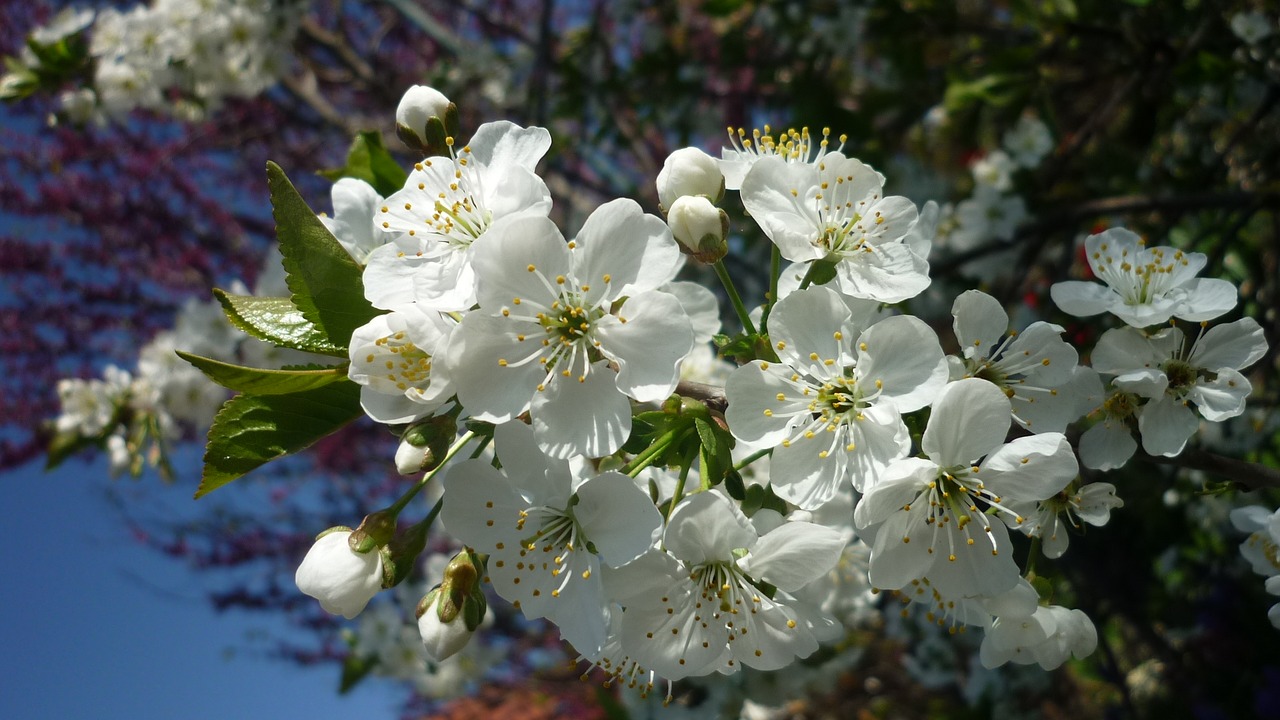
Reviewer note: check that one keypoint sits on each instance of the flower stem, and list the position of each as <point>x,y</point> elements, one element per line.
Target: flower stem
<point>651,453</point>
<point>808,276</point>
<point>734,298</point>
<point>678,493</point>
<point>775,270</point>
<point>752,458</point>
<point>409,494</point>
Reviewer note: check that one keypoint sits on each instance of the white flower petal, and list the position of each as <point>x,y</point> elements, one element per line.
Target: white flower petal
<point>503,140</point>
<point>618,518</point>
<point>648,346</point>
<point>1081,299</point>
<point>1166,425</point>
<point>755,415</point>
<point>970,418</point>
<point>706,527</point>
<point>902,358</point>
<point>794,555</point>
<point>778,195</point>
<point>805,323</point>
<point>1107,445</point>
<point>482,507</point>
<point>634,249</point>
<point>1223,398</point>
<point>980,322</point>
<point>591,418</point>
<point>489,390</point>
<point>1234,345</point>
<point>1206,299</point>
<point>1031,468</point>
<point>502,258</point>
<point>701,305</point>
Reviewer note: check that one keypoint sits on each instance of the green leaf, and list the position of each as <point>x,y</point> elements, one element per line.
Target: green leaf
<point>277,321</point>
<point>261,381</point>
<point>354,669</point>
<point>252,430</point>
<point>64,445</point>
<point>370,161</point>
<point>323,279</point>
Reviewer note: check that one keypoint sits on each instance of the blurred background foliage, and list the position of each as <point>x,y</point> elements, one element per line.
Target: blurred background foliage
<point>1163,119</point>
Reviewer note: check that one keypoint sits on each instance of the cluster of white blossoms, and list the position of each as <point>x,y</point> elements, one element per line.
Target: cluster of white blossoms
<point>994,210</point>
<point>650,568</point>
<point>181,57</point>
<point>136,415</point>
<point>1262,547</point>
<point>672,529</point>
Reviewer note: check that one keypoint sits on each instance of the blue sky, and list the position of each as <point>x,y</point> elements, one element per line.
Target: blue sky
<point>96,626</point>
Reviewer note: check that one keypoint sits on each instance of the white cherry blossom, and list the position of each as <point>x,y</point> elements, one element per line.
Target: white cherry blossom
<point>1048,637</point>
<point>1169,375</point>
<point>447,204</point>
<point>1048,519</point>
<point>555,319</point>
<point>1032,367</point>
<point>834,404</point>
<point>547,528</point>
<point>394,360</point>
<point>703,604</point>
<point>1144,286</point>
<point>835,210</point>
<point>929,515</point>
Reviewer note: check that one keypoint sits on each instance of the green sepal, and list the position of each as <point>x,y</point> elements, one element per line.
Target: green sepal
<point>261,381</point>
<point>324,281</point>
<point>370,161</point>
<point>279,322</point>
<point>252,430</point>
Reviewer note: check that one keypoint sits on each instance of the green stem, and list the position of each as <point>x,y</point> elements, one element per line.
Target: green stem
<point>1032,554</point>
<point>775,271</point>
<point>651,453</point>
<point>679,491</point>
<point>734,298</point>
<point>752,458</point>
<point>409,494</point>
<point>808,276</point>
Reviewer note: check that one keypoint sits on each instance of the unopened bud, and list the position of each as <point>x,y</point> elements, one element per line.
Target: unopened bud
<point>424,118</point>
<point>700,227</point>
<point>342,580</point>
<point>689,171</point>
<point>425,444</point>
<point>449,615</point>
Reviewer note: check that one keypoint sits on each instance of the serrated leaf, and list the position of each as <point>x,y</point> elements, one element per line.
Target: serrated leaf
<point>370,161</point>
<point>277,321</point>
<point>261,381</point>
<point>324,281</point>
<point>252,430</point>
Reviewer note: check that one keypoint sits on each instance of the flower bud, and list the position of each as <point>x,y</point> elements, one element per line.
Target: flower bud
<point>343,580</point>
<point>689,171</point>
<point>700,227</point>
<point>424,118</point>
<point>449,615</point>
<point>423,445</point>
<point>440,636</point>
